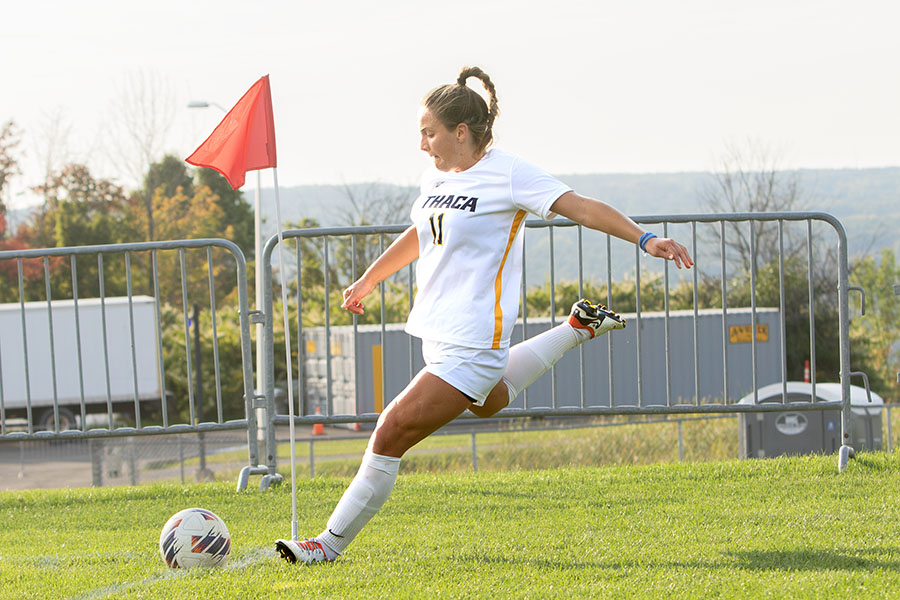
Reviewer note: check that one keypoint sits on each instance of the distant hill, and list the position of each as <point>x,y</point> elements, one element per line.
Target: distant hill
<point>867,202</point>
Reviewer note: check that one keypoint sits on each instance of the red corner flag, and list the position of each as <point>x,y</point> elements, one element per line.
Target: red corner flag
<point>244,140</point>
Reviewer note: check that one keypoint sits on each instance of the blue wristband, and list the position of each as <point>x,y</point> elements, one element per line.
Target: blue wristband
<point>644,239</point>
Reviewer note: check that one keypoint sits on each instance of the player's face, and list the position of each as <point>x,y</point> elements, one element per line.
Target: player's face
<point>449,149</point>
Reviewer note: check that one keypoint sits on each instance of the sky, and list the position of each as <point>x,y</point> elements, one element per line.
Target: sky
<point>583,86</point>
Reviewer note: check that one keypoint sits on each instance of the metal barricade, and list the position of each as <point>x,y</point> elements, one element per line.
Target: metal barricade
<point>77,349</point>
<point>637,373</point>
<point>49,374</point>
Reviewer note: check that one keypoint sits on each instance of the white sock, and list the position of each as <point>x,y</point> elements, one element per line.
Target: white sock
<point>535,356</point>
<point>362,499</point>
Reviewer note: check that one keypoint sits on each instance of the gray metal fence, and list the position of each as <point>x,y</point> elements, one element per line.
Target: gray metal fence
<point>694,360</point>
<point>103,341</point>
<point>320,262</point>
<point>112,461</point>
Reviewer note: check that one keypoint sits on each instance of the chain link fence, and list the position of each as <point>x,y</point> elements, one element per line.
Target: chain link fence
<point>134,460</point>
<point>208,456</point>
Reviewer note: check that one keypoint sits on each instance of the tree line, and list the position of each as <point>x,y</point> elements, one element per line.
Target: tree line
<point>178,202</point>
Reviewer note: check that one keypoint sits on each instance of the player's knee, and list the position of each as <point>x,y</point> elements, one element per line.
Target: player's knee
<point>392,437</point>
<point>484,411</point>
<point>388,442</point>
<point>496,401</point>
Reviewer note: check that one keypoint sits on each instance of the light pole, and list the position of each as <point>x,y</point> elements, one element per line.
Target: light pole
<point>257,228</point>
<point>897,293</point>
<point>204,104</point>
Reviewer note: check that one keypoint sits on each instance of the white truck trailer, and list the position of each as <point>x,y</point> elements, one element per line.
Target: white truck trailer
<point>106,376</point>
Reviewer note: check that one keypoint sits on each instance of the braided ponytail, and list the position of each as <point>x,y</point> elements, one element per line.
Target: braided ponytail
<point>455,104</point>
<point>493,109</point>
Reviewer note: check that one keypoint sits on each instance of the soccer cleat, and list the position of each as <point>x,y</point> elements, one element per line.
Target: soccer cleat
<point>305,551</point>
<point>595,318</point>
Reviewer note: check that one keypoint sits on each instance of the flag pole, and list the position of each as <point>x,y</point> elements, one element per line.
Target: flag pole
<point>287,352</point>
<point>261,414</point>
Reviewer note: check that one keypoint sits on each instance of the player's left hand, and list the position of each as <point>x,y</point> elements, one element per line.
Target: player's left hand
<point>670,250</point>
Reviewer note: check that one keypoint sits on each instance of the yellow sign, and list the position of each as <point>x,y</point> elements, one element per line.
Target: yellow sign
<point>376,379</point>
<point>336,347</point>
<point>740,334</point>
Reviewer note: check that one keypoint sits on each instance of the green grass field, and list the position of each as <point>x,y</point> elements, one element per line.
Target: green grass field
<point>517,446</point>
<point>522,445</point>
<point>782,528</point>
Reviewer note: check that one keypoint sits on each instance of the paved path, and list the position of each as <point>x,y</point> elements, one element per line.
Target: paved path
<point>67,463</point>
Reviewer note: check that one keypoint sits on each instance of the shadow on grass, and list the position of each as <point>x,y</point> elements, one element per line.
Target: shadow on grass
<point>875,461</point>
<point>541,563</point>
<point>866,559</point>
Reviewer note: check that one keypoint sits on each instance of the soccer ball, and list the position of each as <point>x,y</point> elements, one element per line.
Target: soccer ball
<point>194,537</point>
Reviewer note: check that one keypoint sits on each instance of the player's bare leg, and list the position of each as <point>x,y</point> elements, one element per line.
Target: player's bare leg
<point>427,404</point>
<point>535,356</point>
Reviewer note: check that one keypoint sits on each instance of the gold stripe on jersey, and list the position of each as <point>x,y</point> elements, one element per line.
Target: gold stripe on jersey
<point>498,282</point>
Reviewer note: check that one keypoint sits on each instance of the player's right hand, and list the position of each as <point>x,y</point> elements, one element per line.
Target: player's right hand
<point>353,296</point>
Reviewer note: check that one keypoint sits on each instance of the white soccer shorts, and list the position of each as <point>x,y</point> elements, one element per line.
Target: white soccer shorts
<point>473,371</point>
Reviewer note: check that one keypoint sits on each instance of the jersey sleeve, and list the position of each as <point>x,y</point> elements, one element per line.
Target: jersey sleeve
<point>535,190</point>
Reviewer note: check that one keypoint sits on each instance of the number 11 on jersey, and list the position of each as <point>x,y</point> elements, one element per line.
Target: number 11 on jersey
<point>437,229</point>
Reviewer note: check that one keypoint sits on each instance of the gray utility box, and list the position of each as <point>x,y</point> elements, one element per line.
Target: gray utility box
<point>808,432</point>
<point>368,371</point>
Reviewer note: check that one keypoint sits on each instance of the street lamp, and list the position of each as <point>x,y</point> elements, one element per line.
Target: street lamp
<point>257,226</point>
<point>204,104</point>
<point>897,293</point>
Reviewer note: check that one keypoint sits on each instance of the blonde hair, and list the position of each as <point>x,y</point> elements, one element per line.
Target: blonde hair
<point>457,103</point>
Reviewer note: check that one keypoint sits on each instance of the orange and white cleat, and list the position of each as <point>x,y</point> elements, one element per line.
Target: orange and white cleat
<point>305,551</point>
<point>595,318</point>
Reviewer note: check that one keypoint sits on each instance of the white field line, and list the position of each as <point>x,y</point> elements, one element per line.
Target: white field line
<point>246,559</point>
<point>251,557</point>
<point>119,588</point>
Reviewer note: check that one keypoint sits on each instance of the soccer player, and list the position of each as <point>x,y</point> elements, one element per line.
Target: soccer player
<point>467,236</point>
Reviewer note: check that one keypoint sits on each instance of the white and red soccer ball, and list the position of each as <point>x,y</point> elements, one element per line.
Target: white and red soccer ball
<point>194,537</point>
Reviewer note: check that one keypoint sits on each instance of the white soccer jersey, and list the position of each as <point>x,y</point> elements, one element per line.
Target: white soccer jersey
<point>469,271</point>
